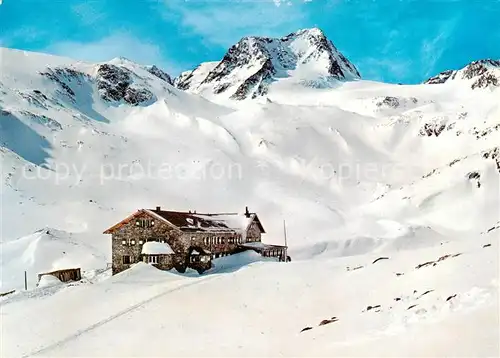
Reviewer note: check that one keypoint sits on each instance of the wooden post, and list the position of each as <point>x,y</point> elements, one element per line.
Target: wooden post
<point>286,247</point>
<point>25,280</point>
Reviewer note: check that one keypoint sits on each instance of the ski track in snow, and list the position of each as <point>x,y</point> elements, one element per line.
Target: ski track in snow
<point>46,349</point>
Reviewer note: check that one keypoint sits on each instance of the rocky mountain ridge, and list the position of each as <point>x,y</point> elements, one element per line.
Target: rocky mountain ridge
<point>481,74</point>
<point>252,64</point>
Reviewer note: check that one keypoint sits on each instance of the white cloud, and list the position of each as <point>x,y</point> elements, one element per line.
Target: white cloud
<point>378,68</point>
<point>222,23</point>
<point>433,48</point>
<point>90,12</point>
<point>116,45</point>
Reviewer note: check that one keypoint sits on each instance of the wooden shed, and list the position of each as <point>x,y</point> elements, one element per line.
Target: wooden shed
<point>72,274</point>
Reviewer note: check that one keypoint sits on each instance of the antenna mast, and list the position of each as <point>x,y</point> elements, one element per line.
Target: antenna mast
<point>286,246</point>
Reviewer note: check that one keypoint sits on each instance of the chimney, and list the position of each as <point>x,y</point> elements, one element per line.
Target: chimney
<point>247,214</point>
<point>158,209</point>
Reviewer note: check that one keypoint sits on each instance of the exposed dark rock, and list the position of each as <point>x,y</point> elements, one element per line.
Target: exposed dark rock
<point>442,258</point>
<point>354,268</point>
<point>474,176</point>
<point>380,258</point>
<point>328,321</point>
<point>43,120</point>
<point>430,173</point>
<point>395,102</point>
<point>412,306</point>
<point>440,78</point>
<point>428,263</point>
<point>369,308</point>
<point>115,84</point>
<point>7,293</point>
<point>431,129</point>
<point>160,74</point>
<point>136,96</point>
<point>480,70</point>
<point>426,292</point>
<point>389,101</point>
<point>434,263</point>
<point>306,329</point>
<point>221,88</point>
<point>451,297</point>
<point>258,81</point>
<point>112,82</point>
<point>35,98</point>
<point>493,228</point>
<point>183,82</point>
<point>66,77</point>
<point>486,245</point>
<point>485,81</point>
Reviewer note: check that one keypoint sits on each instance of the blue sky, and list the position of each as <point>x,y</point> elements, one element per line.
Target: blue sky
<point>391,40</point>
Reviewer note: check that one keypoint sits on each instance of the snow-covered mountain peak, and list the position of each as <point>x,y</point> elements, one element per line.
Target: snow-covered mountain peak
<point>253,63</point>
<point>121,61</point>
<point>477,74</point>
<point>119,80</point>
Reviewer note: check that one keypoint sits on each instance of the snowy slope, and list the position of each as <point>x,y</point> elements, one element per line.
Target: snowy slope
<point>357,142</point>
<point>359,170</point>
<point>416,311</point>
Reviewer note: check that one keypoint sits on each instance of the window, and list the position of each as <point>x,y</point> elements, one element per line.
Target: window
<point>126,259</point>
<point>153,259</point>
<point>124,242</point>
<point>132,242</point>
<point>145,223</point>
<point>141,242</point>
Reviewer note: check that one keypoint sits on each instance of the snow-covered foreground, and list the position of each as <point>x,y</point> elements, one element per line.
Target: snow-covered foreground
<point>450,308</point>
<point>360,171</point>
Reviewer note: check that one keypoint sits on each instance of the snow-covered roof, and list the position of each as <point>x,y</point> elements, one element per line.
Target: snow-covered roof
<point>187,221</point>
<point>156,248</point>
<point>48,281</point>
<point>260,245</point>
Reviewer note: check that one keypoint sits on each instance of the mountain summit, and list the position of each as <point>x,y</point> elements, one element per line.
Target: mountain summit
<point>252,64</point>
<point>480,74</point>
